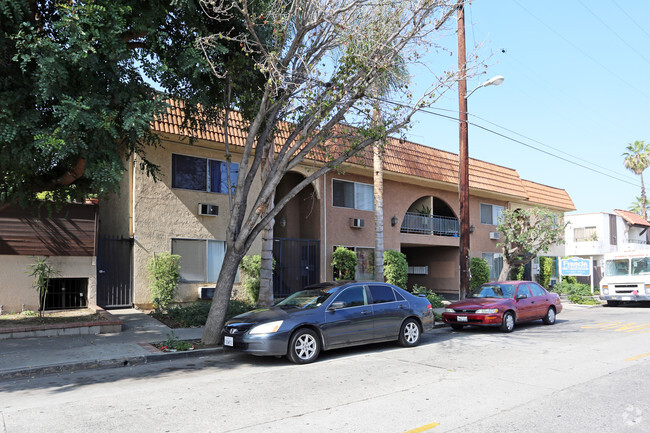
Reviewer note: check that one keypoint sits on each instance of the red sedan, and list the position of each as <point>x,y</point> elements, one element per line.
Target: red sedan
<point>503,304</point>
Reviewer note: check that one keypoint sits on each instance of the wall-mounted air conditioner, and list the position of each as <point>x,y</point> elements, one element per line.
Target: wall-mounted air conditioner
<point>206,293</point>
<point>208,209</point>
<point>357,223</point>
<point>495,235</point>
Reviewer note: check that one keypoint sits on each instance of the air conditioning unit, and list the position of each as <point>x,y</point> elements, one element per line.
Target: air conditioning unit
<point>495,235</point>
<point>208,209</point>
<point>357,223</point>
<point>206,293</point>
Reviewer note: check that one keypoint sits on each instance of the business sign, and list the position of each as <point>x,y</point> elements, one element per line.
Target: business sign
<point>575,266</point>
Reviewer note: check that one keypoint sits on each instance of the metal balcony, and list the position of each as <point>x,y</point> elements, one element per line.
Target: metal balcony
<point>434,225</point>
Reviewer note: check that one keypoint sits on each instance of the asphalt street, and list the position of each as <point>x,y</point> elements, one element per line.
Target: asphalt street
<point>587,373</point>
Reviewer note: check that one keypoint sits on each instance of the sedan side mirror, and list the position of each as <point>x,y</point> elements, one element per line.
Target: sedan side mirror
<point>521,296</point>
<point>337,305</point>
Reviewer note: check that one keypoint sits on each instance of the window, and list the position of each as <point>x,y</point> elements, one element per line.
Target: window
<point>201,174</point>
<point>381,294</point>
<point>491,214</point>
<point>584,234</point>
<point>352,297</point>
<point>536,289</point>
<point>495,263</point>
<point>201,260</point>
<point>353,195</point>
<point>523,290</point>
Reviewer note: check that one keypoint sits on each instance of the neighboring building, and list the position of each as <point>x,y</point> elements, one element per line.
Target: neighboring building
<point>66,237</point>
<point>592,235</point>
<point>186,213</point>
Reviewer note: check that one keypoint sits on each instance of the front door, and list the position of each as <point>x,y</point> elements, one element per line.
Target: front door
<point>114,288</point>
<point>525,306</point>
<point>353,322</point>
<point>297,265</point>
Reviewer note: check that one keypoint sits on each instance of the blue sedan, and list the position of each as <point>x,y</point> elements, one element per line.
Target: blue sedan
<point>329,316</point>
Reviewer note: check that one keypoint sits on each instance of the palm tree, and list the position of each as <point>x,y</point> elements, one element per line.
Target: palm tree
<point>637,206</point>
<point>637,159</point>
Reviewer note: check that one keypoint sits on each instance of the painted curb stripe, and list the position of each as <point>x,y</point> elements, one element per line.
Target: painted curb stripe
<point>424,428</point>
<point>634,358</point>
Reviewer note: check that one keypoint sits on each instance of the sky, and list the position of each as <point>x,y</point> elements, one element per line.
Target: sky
<point>576,93</point>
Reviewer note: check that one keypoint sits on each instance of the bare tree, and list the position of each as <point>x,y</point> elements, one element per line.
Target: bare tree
<point>315,104</point>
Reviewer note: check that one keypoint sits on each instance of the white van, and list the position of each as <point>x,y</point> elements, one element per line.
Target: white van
<point>627,277</point>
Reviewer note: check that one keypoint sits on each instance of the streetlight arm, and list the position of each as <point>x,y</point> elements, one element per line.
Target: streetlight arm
<point>494,81</point>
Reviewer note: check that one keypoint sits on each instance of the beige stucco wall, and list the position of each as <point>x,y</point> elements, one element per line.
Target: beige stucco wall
<point>16,291</point>
<point>161,213</point>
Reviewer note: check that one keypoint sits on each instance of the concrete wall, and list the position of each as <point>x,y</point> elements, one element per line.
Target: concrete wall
<point>16,291</point>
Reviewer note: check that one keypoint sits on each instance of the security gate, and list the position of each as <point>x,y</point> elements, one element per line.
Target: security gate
<point>297,264</point>
<point>114,288</point>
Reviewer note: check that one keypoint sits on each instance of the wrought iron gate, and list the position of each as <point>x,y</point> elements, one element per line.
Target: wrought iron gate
<point>297,264</point>
<point>114,288</point>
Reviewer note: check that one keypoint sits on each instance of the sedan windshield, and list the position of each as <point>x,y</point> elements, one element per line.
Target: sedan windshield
<point>305,299</point>
<point>493,291</point>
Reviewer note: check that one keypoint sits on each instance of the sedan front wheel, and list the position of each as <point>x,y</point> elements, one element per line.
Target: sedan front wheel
<point>508,323</point>
<point>304,347</point>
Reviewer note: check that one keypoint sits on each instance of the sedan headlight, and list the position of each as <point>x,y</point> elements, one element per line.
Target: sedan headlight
<point>449,310</point>
<point>487,310</point>
<point>266,328</point>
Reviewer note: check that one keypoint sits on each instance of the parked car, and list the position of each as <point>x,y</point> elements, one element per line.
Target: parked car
<point>503,304</point>
<point>328,316</point>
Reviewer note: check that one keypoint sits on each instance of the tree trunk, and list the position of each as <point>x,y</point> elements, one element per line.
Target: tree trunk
<point>643,199</point>
<point>378,176</point>
<point>219,307</point>
<point>266,271</point>
<point>505,271</point>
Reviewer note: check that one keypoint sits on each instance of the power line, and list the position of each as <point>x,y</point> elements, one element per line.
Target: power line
<point>631,19</point>
<point>455,119</point>
<point>640,92</point>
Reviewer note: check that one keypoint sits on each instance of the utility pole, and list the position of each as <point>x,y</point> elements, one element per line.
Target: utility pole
<point>463,156</point>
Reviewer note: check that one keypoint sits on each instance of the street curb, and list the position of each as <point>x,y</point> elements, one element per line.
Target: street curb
<point>126,361</point>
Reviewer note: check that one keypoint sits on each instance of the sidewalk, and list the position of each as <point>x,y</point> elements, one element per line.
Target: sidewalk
<point>42,355</point>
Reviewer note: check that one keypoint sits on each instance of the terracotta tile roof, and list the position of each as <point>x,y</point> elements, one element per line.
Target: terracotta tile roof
<point>402,157</point>
<point>632,218</point>
<point>548,195</point>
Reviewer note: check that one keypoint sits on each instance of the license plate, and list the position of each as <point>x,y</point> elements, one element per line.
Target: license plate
<point>228,341</point>
<point>626,298</point>
<point>462,318</point>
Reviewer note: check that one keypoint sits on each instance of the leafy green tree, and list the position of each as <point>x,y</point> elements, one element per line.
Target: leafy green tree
<point>77,94</point>
<point>479,271</point>
<point>526,233</point>
<point>396,268</point>
<point>637,159</point>
<point>545,270</point>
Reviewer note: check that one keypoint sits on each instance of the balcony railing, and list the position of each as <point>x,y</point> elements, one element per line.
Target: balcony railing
<point>429,225</point>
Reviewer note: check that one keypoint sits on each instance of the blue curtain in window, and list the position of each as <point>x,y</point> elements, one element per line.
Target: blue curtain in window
<point>219,176</point>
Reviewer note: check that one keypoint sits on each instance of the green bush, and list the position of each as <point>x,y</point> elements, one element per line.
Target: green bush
<point>517,273</point>
<point>570,279</point>
<point>479,271</point>
<point>436,301</point>
<point>164,275</point>
<point>196,314</point>
<point>545,271</point>
<point>251,266</point>
<point>576,292</point>
<point>395,268</point>
<point>344,262</point>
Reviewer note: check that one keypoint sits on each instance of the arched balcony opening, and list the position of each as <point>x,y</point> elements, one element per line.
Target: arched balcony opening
<point>430,216</point>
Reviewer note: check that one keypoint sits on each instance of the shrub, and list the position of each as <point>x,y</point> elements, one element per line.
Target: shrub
<point>436,300</point>
<point>344,262</point>
<point>251,266</point>
<point>479,271</point>
<point>196,314</point>
<point>517,273</point>
<point>395,268</point>
<point>164,275</point>
<point>577,293</point>
<point>545,271</point>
